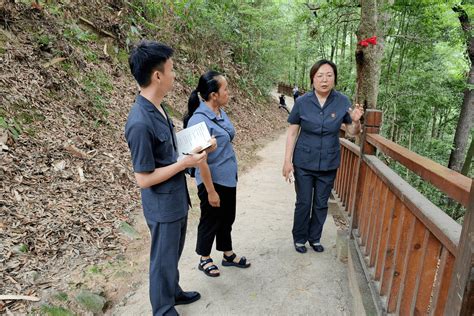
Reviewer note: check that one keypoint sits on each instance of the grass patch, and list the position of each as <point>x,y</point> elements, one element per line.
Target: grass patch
<point>191,79</point>
<point>90,56</point>
<point>74,33</point>
<point>94,270</point>
<point>97,86</point>
<point>55,311</point>
<point>61,296</point>
<point>43,40</point>
<point>12,126</point>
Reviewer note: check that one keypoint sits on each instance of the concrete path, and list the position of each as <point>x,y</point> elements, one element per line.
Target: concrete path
<point>280,280</point>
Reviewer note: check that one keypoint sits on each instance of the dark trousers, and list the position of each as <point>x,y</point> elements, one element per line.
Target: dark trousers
<point>285,108</point>
<point>216,222</point>
<point>313,189</point>
<point>167,242</point>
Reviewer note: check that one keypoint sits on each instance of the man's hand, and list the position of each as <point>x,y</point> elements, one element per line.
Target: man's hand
<point>193,159</point>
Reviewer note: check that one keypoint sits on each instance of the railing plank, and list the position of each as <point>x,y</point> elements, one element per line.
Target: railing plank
<point>374,244</point>
<point>411,280</point>
<point>362,208</point>
<point>375,215</point>
<point>401,260</point>
<point>367,208</point>
<point>461,288</point>
<point>430,265</point>
<point>455,185</point>
<point>389,256</point>
<point>387,220</point>
<point>438,222</point>
<point>374,185</point>
<point>353,182</point>
<point>440,293</point>
<point>343,178</point>
<point>337,183</point>
<point>347,180</point>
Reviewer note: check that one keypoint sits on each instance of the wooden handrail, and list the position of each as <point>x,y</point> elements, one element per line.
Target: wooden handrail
<point>411,251</point>
<point>455,185</point>
<point>446,229</point>
<point>351,146</point>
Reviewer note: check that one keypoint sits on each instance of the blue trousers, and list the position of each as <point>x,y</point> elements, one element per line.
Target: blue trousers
<point>313,189</point>
<point>167,242</point>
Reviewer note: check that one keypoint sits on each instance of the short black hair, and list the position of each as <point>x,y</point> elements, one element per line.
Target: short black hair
<point>147,57</point>
<point>318,65</point>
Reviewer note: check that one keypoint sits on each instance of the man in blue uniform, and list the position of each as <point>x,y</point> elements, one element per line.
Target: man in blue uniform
<point>150,136</point>
<point>315,121</point>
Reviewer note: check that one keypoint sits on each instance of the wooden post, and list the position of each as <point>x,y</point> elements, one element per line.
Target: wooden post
<point>461,289</point>
<point>372,123</point>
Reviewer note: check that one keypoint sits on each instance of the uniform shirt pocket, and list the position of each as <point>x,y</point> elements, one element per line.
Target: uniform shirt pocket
<point>164,151</point>
<point>302,154</point>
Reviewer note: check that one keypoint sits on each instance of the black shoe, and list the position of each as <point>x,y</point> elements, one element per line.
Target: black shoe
<point>187,298</point>
<point>318,248</point>
<point>300,249</point>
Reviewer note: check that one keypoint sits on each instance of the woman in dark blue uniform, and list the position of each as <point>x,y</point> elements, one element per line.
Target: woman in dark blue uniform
<point>312,153</point>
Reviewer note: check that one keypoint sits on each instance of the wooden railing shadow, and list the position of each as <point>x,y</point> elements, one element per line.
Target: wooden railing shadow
<point>417,259</point>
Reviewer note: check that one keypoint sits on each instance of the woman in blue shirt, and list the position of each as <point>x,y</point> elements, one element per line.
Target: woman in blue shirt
<point>312,152</point>
<point>216,178</point>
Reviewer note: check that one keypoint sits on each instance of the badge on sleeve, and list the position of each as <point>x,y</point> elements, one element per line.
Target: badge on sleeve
<point>333,115</point>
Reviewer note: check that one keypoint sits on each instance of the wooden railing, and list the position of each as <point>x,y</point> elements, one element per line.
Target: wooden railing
<point>407,245</point>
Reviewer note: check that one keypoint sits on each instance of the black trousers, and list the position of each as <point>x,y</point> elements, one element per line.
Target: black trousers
<point>313,189</point>
<point>167,242</point>
<point>216,222</point>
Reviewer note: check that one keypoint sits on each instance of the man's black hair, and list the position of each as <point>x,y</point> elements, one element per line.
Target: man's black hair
<point>147,57</point>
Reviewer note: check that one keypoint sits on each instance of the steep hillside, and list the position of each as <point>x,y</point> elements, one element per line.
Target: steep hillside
<point>67,194</point>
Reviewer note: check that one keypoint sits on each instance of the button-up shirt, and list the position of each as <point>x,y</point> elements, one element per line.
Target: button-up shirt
<point>317,147</point>
<point>151,140</point>
<point>222,161</point>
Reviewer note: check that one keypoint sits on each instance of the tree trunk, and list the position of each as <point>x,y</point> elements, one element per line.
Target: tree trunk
<point>344,37</point>
<point>335,46</point>
<point>466,116</point>
<point>467,162</point>
<point>351,45</point>
<point>395,41</point>
<point>296,56</point>
<point>368,59</point>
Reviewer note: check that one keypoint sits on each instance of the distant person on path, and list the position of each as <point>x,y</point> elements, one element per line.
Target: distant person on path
<point>216,177</point>
<point>150,136</point>
<point>283,103</point>
<point>296,93</point>
<point>312,152</point>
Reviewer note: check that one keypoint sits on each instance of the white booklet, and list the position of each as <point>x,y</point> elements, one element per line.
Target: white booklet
<point>192,137</point>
